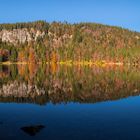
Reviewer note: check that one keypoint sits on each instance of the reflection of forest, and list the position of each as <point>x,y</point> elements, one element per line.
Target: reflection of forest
<point>55,83</point>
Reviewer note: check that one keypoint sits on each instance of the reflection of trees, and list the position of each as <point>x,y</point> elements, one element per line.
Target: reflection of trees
<point>4,72</point>
<point>39,84</point>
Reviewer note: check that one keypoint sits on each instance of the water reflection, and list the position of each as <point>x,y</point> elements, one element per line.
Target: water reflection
<point>57,102</point>
<point>42,84</point>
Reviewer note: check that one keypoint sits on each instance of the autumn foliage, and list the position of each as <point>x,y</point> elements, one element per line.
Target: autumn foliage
<point>73,42</point>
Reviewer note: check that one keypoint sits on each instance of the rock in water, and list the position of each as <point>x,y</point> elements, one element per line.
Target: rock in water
<point>32,130</point>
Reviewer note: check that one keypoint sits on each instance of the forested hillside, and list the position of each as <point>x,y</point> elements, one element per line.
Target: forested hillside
<point>54,42</point>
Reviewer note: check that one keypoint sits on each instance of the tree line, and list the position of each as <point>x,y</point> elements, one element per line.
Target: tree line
<point>73,42</point>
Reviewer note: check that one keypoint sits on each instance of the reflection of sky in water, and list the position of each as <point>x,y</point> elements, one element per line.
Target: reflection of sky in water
<point>106,120</point>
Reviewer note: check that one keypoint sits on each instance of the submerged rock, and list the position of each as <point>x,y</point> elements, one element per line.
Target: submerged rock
<point>32,130</point>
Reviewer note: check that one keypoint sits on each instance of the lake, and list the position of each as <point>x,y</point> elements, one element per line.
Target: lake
<point>59,102</point>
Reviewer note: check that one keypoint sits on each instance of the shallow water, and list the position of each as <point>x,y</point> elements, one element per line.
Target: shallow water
<point>61,102</point>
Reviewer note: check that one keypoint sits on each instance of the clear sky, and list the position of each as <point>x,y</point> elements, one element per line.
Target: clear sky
<point>125,13</point>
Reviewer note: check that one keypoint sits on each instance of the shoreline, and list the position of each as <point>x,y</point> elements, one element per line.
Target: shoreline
<point>88,63</point>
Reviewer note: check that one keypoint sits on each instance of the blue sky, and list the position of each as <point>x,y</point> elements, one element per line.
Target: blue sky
<point>125,13</point>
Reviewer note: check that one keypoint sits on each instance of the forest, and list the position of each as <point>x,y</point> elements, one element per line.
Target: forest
<point>64,42</point>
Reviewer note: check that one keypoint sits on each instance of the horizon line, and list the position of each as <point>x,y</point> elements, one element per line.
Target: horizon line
<point>71,23</point>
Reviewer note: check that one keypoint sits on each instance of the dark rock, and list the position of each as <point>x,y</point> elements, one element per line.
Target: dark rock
<point>32,130</point>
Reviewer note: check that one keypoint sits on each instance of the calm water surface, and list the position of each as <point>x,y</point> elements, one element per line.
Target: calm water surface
<point>69,103</point>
